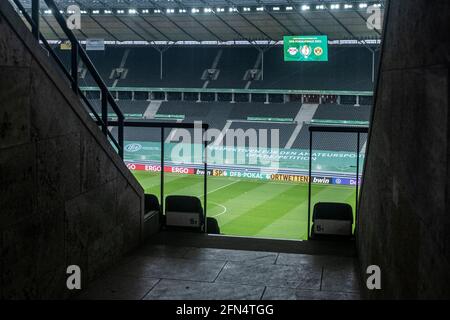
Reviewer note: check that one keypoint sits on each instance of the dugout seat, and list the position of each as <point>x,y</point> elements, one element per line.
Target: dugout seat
<point>152,215</point>
<point>184,212</point>
<point>212,227</point>
<point>332,220</point>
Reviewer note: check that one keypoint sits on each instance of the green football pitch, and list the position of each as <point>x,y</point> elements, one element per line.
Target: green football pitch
<point>251,207</point>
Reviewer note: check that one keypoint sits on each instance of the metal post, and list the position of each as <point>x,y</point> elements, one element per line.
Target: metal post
<point>105,111</point>
<point>120,137</point>
<point>373,66</point>
<point>74,63</point>
<point>357,177</point>
<point>309,183</point>
<point>205,186</point>
<point>162,171</point>
<point>161,64</point>
<point>35,18</point>
<point>262,65</point>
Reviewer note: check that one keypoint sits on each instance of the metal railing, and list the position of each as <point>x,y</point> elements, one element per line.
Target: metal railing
<point>77,53</point>
<point>162,126</point>
<point>358,130</point>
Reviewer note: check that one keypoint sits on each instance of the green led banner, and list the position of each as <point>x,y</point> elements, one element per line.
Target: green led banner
<point>305,48</point>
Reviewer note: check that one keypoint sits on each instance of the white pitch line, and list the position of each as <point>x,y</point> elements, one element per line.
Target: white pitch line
<point>221,213</point>
<point>217,189</point>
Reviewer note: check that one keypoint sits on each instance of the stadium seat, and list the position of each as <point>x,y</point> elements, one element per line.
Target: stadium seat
<point>151,203</point>
<point>332,220</point>
<point>152,212</point>
<point>212,227</point>
<point>184,211</point>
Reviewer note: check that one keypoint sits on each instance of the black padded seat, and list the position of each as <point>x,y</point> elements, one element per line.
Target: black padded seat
<point>332,219</point>
<point>184,211</point>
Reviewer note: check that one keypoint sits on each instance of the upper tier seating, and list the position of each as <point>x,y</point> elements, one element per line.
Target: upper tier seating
<point>342,112</point>
<point>348,68</point>
<point>245,110</point>
<point>217,114</point>
<point>131,109</point>
<point>328,141</point>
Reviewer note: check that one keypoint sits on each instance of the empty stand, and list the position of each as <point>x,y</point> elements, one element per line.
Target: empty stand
<point>329,141</point>
<point>225,116</point>
<point>342,112</point>
<point>233,65</point>
<point>261,110</point>
<point>104,61</point>
<point>144,68</point>
<point>348,68</point>
<point>250,128</point>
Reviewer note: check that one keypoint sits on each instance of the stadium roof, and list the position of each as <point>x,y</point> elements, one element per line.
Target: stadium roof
<point>215,20</point>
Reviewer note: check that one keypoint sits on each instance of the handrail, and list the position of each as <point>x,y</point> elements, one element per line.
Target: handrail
<point>155,124</point>
<point>358,130</point>
<point>235,90</point>
<point>77,52</point>
<point>162,126</point>
<point>331,128</point>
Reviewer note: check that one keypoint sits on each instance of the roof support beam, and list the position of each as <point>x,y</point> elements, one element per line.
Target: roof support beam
<point>226,23</point>
<point>298,12</point>
<point>153,27</point>
<point>276,19</point>
<point>161,49</point>
<point>365,21</point>
<point>51,28</point>
<point>98,23</point>
<point>249,22</point>
<point>171,20</point>
<point>130,28</point>
<point>104,29</point>
<point>199,22</point>
<point>349,32</point>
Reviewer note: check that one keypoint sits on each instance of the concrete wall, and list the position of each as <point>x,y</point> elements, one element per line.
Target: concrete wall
<point>404,222</point>
<point>65,195</point>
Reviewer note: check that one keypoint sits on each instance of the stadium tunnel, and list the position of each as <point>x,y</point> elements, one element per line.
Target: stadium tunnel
<point>70,203</point>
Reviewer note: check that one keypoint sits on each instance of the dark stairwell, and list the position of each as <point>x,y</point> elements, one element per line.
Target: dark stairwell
<point>66,196</point>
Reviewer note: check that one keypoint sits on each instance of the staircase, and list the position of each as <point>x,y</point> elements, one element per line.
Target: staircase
<point>67,198</point>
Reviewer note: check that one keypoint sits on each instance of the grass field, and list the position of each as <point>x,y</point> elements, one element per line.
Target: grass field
<point>250,207</point>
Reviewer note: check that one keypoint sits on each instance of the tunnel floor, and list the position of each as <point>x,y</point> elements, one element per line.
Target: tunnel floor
<point>159,271</point>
